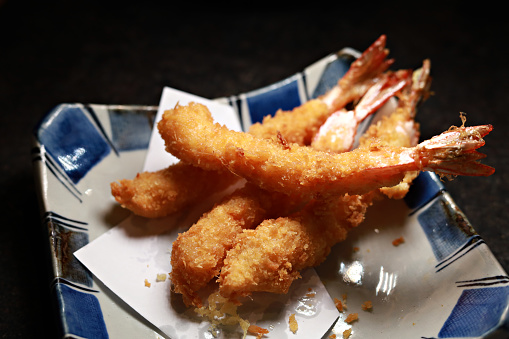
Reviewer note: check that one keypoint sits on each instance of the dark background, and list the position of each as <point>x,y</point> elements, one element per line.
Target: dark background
<point>53,52</point>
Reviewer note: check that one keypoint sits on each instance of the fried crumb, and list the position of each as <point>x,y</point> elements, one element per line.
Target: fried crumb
<point>332,336</point>
<point>344,297</point>
<point>339,304</point>
<point>398,241</point>
<point>367,305</point>
<point>220,311</point>
<point>257,330</point>
<point>356,249</point>
<point>161,277</point>
<point>351,318</point>
<point>147,284</point>
<point>347,333</point>
<point>293,323</point>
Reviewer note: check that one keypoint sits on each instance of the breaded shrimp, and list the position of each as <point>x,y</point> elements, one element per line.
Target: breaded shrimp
<point>311,230</point>
<point>189,278</point>
<point>270,257</point>
<point>191,135</point>
<point>160,193</point>
<point>300,124</point>
<point>338,132</point>
<point>197,254</point>
<point>400,128</point>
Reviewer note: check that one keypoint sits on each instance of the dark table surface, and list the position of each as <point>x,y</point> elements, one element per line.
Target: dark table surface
<point>53,52</point>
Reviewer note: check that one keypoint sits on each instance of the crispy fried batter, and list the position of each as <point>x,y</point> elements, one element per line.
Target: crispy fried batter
<point>270,257</point>
<point>191,135</point>
<point>160,193</point>
<point>197,254</point>
<point>296,126</point>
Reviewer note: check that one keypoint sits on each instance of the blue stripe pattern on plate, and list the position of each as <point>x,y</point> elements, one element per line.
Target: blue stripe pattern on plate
<point>72,140</point>
<point>131,128</point>
<point>477,312</point>
<point>331,75</point>
<point>82,313</point>
<point>424,188</point>
<point>445,227</point>
<point>284,96</point>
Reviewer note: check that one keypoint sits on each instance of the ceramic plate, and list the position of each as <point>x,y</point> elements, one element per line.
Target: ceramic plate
<point>441,282</point>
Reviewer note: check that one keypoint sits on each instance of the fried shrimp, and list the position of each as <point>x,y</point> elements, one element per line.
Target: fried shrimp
<point>338,132</point>
<point>197,254</point>
<point>192,272</point>
<point>191,135</point>
<point>304,238</point>
<point>400,128</point>
<point>299,125</point>
<point>160,193</point>
<point>270,257</point>
<point>305,186</point>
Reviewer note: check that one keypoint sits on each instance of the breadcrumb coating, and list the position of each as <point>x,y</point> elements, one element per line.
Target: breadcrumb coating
<point>197,254</point>
<point>161,193</point>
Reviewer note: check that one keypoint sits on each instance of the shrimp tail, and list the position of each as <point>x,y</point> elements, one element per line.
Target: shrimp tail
<point>420,89</point>
<point>338,132</point>
<point>372,62</point>
<point>454,152</point>
<point>362,74</point>
<point>388,86</point>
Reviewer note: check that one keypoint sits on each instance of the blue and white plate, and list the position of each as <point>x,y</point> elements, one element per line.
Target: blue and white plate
<point>441,282</point>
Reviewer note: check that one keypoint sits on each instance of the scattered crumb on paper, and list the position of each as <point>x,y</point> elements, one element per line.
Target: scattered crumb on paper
<point>293,323</point>
<point>257,330</point>
<point>161,277</point>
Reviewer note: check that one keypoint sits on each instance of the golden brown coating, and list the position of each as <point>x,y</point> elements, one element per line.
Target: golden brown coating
<point>296,126</point>
<point>160,193</point>
<point>197,254</point>
<point>191,135</point>
<point>400,128</point>
<point>270,257</point>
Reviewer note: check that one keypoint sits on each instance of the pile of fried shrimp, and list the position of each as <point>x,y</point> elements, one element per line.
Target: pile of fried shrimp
<point>303,180</point>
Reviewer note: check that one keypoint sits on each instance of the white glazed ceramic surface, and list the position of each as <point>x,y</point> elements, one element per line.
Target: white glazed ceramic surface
<point>441,282</point>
